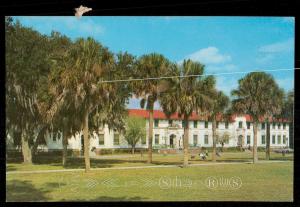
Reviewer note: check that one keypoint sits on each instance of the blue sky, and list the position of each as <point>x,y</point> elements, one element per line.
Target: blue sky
<point>223,44</point>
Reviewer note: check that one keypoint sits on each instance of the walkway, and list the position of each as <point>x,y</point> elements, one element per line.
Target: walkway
<point>141,167</point>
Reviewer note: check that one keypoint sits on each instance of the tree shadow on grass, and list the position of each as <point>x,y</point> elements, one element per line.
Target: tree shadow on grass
<point>17,191</point>
<point>10,168</point>
<point>110,199</point>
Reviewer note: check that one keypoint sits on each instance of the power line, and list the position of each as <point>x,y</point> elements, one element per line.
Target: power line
<point>187,76</point>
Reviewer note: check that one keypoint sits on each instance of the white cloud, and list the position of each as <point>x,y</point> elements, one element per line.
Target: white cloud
<point>265,58</point>
<point>284,46</point>
<point>209,55</point>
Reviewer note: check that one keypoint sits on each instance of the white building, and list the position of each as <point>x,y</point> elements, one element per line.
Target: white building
<point>169,133</point>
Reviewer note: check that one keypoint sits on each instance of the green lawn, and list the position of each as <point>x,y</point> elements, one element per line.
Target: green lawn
<point>259,182</point>
<point>54,162</point>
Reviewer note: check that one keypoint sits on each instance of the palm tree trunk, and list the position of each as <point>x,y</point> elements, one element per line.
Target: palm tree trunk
<point>268,137</point>
<point>86,141</point>
<point>132,149</point>
<point>186,142</point>
<point>255,159</point>
<point>65,148</point>
<point>214,139</point>
<point>26,151</point>
<point>150,135</point>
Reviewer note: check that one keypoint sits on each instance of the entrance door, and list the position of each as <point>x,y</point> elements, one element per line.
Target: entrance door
<point>240,141</point>
<point>172,141</point>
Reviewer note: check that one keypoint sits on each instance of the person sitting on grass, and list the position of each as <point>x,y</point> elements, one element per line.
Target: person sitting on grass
<point>202,156</point>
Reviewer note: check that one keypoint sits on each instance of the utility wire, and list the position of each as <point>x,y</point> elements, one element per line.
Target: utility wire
<point>187,76</point>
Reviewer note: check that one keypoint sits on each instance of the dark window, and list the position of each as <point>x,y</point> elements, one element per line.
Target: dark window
<point>195,124</point>
<point>226,125</point>
<point>206,124</point>
<point>157,139</point>
<point>101,139</point>
<point>248,125</point>
<point>54,137</point>
<point>279,125</point>
<point>284,139</point>
<point>273,139</point>
<point>284,125</point>
<point>217,125</point>
<point>183,123</point>
<point>156,121</point>
<point>263,139</point>
<point>278,139</point>
<point>240,124</point>
<point>170,122</point>
<point>116,139</point>
<point>58,136</point>
<point>195,139</point>
<point>206,139</point>
<point>263,125</point>
<point>248,139</point>
<point>273,125</point>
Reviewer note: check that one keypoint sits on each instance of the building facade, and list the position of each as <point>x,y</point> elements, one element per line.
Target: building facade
<point>168,133</point>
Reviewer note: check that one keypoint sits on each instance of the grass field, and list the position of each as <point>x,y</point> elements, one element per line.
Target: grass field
<point>230,182</point>
<point>54,162</point>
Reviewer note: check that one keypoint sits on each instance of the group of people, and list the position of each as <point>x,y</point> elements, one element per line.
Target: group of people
<point>204,155</point>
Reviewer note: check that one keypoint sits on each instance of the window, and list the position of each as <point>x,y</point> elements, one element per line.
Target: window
<point>284,125</point>
<point>156,139</point>
<point>195,124</point>
<point>226,141</point>
<point>273,125</point>
<point>263,125</point>
<point>273,139</point>
<point>101,139</point>
<point>54,137</point>
<point>278,139</point>
<point>116,139</point>
<point>226,125</point>
<point>206,139</point>
<point>248,125</point>
<point>248,139</point>
<point>217,125</point>
<point>170,122</point>
<point>263,139</point>
<point>183,123</point>
<point>240,124</point>
<point>284,139</point>
<point>279,125</point>
<point>156,121</point>
<point>206,124</point>
<point>58,136</point>
<point>143,140</point>
<point>195,139</point>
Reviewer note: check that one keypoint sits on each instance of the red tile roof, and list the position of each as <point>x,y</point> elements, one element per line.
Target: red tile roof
<point>157,114</point>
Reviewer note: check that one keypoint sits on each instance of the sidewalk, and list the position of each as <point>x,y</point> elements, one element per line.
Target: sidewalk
<point>141,167</point>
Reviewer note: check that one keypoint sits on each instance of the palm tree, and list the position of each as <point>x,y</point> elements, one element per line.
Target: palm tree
<point>186,95</point>
<point>78,83</point>
<point>220,102</point>
<point>254,97</point>
<point>275,102</point>
<point>150,66</point>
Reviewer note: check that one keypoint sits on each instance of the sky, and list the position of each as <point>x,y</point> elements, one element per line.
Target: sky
<point>222,44</point>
